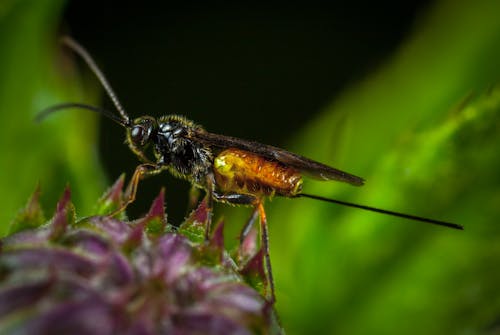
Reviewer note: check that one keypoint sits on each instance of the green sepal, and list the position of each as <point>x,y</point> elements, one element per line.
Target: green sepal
<point>31,216</point>
<point>64,216</point>
<point>112,199</point>
<point>195,224</point>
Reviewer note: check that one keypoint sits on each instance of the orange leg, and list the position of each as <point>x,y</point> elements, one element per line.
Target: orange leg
<point>264,233</point>
<point>247,199</point>
<point>141,172</point>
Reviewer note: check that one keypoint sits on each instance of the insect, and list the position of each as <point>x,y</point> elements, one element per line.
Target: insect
<point>229,169</point>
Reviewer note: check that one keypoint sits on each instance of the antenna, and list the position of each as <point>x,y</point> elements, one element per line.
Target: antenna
<point>383,211</point>
<point>43,114</point>
<point>79,50</point>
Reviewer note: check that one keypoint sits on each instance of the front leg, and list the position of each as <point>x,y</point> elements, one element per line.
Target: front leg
<point>141,172</point>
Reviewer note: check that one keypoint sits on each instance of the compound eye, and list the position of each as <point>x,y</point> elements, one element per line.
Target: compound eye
<point>138,134</point>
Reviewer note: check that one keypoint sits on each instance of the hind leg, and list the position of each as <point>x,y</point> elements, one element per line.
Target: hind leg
<point>244,199</point>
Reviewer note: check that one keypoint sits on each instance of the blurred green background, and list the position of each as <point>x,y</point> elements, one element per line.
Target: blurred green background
<point>402,94</point>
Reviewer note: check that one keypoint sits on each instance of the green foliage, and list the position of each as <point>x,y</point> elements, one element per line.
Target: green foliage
<point>424,130</point>
<point>33,76</point>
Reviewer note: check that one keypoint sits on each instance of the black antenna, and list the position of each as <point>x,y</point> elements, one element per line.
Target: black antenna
<point>43,114</point>
<point>79,50</point>
<point>383,211</point>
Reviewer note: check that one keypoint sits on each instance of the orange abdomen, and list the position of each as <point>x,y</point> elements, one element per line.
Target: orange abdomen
<point>244,172</point>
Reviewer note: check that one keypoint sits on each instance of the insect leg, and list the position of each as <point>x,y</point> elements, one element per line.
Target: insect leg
<point>229,198</point>
<point>248,226</point>
<point>240,199</point>
<point>141,172</point>
<point>264,233</point>
<point>210,204</point>
<point>235,198</point>
<point>245,199</point>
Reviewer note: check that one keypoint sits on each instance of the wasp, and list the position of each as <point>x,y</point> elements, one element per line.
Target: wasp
<point>230,170</point>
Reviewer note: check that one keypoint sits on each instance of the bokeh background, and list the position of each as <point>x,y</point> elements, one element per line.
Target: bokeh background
<point>405,95</point>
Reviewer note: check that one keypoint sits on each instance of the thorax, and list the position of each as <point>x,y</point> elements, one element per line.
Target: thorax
<point>175,148</point>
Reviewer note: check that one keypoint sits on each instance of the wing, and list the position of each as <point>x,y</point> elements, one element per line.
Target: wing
<point>305,165</point>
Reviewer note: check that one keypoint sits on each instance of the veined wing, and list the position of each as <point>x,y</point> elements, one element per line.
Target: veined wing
<point>305,165</point>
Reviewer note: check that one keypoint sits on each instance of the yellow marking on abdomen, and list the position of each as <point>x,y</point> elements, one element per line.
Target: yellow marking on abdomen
<point>241,171</point>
